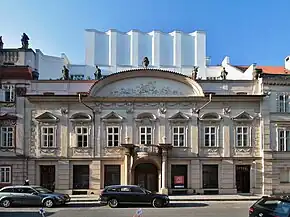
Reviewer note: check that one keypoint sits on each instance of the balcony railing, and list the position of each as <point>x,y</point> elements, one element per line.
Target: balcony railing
<point>9,56</point>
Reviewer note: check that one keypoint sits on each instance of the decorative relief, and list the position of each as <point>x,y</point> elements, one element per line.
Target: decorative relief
<point>227,110</point>
<point>82,151</point>
<point>149,89</point>
<point>162,108</point>
<point>33,138</point>
<point>113,151</point>
<point>248,151</point>
<point>50,151</point>
<point>212,151</point>
<point>98,108</point>
<point>130,108</point>
<point>7,104</point>
<point>20,91</point>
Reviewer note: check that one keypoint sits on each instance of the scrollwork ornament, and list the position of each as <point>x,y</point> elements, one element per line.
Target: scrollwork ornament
<point>130,107</point>
<point>227,110</point>
<point>98,108</point>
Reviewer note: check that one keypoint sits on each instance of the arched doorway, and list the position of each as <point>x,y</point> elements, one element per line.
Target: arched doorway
<point>146,175</point>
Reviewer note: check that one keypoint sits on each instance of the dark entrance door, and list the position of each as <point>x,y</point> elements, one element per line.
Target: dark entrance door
<point>81,176</point>
<point>47,176</point>
<point>146,175</point>
<point>243,178</point>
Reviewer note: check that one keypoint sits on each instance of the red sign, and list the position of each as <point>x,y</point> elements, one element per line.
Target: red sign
<point>179,180</point>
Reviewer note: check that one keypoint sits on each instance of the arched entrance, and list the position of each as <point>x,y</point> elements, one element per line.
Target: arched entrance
<point>146,175</point>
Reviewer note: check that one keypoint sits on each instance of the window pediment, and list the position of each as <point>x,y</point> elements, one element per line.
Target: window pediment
<point>179,116</point>
<point>81,117</point>
<point>113,117</point>
<point>8,117</point>
<point>146,116</point>
<point>47,117</point>
<point>243,116</point>
<point>212,116</point>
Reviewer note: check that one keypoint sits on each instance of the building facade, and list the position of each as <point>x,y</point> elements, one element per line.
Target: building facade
<point>156,128</point>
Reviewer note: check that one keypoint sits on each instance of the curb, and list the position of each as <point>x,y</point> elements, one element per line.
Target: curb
<point>180,200</point>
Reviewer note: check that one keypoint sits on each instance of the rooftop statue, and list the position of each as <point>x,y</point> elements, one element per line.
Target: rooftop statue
<point>25,41</point>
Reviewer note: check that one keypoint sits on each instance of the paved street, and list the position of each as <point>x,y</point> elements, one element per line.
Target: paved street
<point>204,209</point>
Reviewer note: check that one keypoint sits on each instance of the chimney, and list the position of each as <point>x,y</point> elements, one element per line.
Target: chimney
<point>287,63</point>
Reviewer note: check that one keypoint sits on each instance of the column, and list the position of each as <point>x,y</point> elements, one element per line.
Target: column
<point>164,189</point>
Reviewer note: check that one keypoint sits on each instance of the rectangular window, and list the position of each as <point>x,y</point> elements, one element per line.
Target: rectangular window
<point>179,136</point>
<point>179,176</point>
<point>145,135</point>
<point>112,175</point>
<point>82,136</point>
<point>113,136</point>
<point>283,103</point>
<point>284,176</point>
<point>8,93</point>
<point>210,176</point>
<point>48,137</point>
<point>5,174</point>
<point>210,137</point>
<point>283,140</point>
<point>242,136</point>
<point>7,137</point>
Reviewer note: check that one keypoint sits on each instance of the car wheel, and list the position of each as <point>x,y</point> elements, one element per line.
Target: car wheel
<point>157,203</point>
<point>48,203</point>
<point>113,203</point>
<point>6,203</point>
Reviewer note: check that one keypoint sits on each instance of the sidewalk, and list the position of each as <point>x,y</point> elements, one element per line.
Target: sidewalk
<point>92,198</point>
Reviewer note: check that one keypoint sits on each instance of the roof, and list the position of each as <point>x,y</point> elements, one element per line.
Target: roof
<point>267,69</point>
<point>16,72</point>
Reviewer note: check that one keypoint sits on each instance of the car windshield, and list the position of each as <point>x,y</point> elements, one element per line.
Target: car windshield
<point>42,190</point>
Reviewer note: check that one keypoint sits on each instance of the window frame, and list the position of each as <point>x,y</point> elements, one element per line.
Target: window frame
<point>248,134</point>
<point>9,176</point>
<point>278,138</point>
<point>146,134</point>
<point>113,136</point>
<point>179,134</point>
<point>54,134</point>
<point>210,134</point>
<point>83,135</point>
<point>7,132</point>
<point>283,104</point>
<point>8,88</point>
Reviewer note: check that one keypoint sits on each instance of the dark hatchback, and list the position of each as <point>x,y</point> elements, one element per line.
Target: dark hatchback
<point>270,207</point>
<point>116,195</point>
<point>31,195</point>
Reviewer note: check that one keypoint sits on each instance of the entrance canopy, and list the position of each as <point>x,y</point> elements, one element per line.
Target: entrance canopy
<point>146,83</point>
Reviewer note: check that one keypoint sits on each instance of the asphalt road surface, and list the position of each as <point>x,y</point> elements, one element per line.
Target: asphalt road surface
<point>189,209</point>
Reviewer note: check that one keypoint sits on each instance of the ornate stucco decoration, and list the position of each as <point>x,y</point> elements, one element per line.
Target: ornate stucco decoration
<point>8,120</point>
<point>81,118</point>
<point>244,151</point>
<point>82,151</point>
<point>179,117</point>
<point>162,108</point>
<point>146,118</point>
<point>113,150</point>
<point>227,110</point>
<point>148,89</point>
<point>47,117</point>
<point>129,108</point>
<point>98,108</point>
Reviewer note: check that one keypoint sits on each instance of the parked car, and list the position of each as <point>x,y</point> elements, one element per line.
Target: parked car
<point>31,195</point>
<point>271,207</point>
<point>131,194</point>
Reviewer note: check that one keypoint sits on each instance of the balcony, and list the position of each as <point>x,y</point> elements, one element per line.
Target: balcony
<point>142,150</point>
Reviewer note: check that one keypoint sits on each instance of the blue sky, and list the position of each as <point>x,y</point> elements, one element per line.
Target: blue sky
<point>249,31</point>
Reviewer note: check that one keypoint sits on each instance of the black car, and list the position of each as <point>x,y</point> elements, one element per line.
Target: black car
<point>31,195</point>
<point>131,194</point>
<point>271,207</point>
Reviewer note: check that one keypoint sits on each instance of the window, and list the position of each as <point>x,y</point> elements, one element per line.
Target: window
<point>48,137</point>
<point>283,103</point>
<point>7,137</point>
<point>284,176</point>
<point>146,135</point>
<point>112,175</point>
<point>113,136</point>
<point>8,93</point>
<point>5,174</point>
<point>82,137</point>
<point>7,190</point>
<point>179,136</point>
<point>210,137</point>
<point>242,136</point>
<point>283,140</point>
<point>137,190</point>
